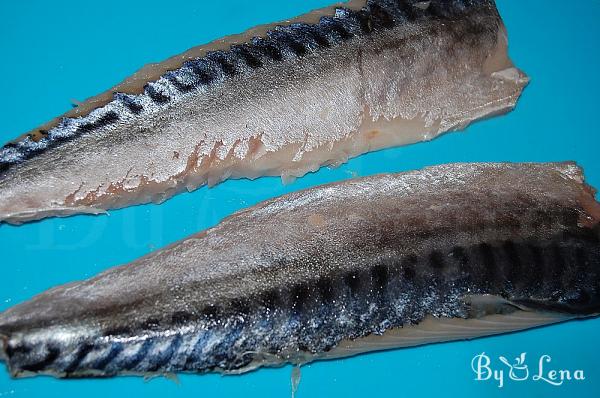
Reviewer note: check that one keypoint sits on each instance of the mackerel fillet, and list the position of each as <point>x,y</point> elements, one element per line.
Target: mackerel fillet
<point>445,253</point>
<point>280,100</point>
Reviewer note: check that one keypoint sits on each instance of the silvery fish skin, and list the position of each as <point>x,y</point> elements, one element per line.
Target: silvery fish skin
<point>276,100</point>
<point>448,252</point>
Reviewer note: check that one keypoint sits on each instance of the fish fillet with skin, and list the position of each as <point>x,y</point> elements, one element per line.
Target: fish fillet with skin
<point>445,253</point>
<point>277,100</point>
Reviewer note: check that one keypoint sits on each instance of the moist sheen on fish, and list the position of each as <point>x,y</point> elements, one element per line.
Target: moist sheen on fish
<point>277,100</point>
<point>448,252</point>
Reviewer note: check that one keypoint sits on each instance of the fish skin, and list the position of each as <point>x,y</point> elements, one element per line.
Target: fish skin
<point>284,101</point>
<point>311,274</point>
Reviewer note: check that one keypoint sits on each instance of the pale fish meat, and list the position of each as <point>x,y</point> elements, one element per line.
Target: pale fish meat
<point>277,100</point>
<point>448,252</point>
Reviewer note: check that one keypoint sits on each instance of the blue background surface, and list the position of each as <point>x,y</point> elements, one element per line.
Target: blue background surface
<point>53,52</point>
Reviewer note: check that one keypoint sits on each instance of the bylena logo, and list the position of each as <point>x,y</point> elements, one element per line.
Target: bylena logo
<point>519,370</point>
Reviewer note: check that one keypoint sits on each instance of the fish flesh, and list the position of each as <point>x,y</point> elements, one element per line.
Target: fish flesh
<point>279,100</point>
<point>449,252</point>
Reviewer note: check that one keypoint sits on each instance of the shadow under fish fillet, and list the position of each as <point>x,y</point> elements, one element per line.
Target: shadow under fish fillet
<point>276,100</point>
<point>448,252</point>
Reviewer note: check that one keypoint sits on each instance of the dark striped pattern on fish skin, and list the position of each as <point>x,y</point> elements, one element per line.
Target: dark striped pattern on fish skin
<point>284,41</point>
<point>327,86</point>
<point>333,270</point>
<point>315,316</point>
